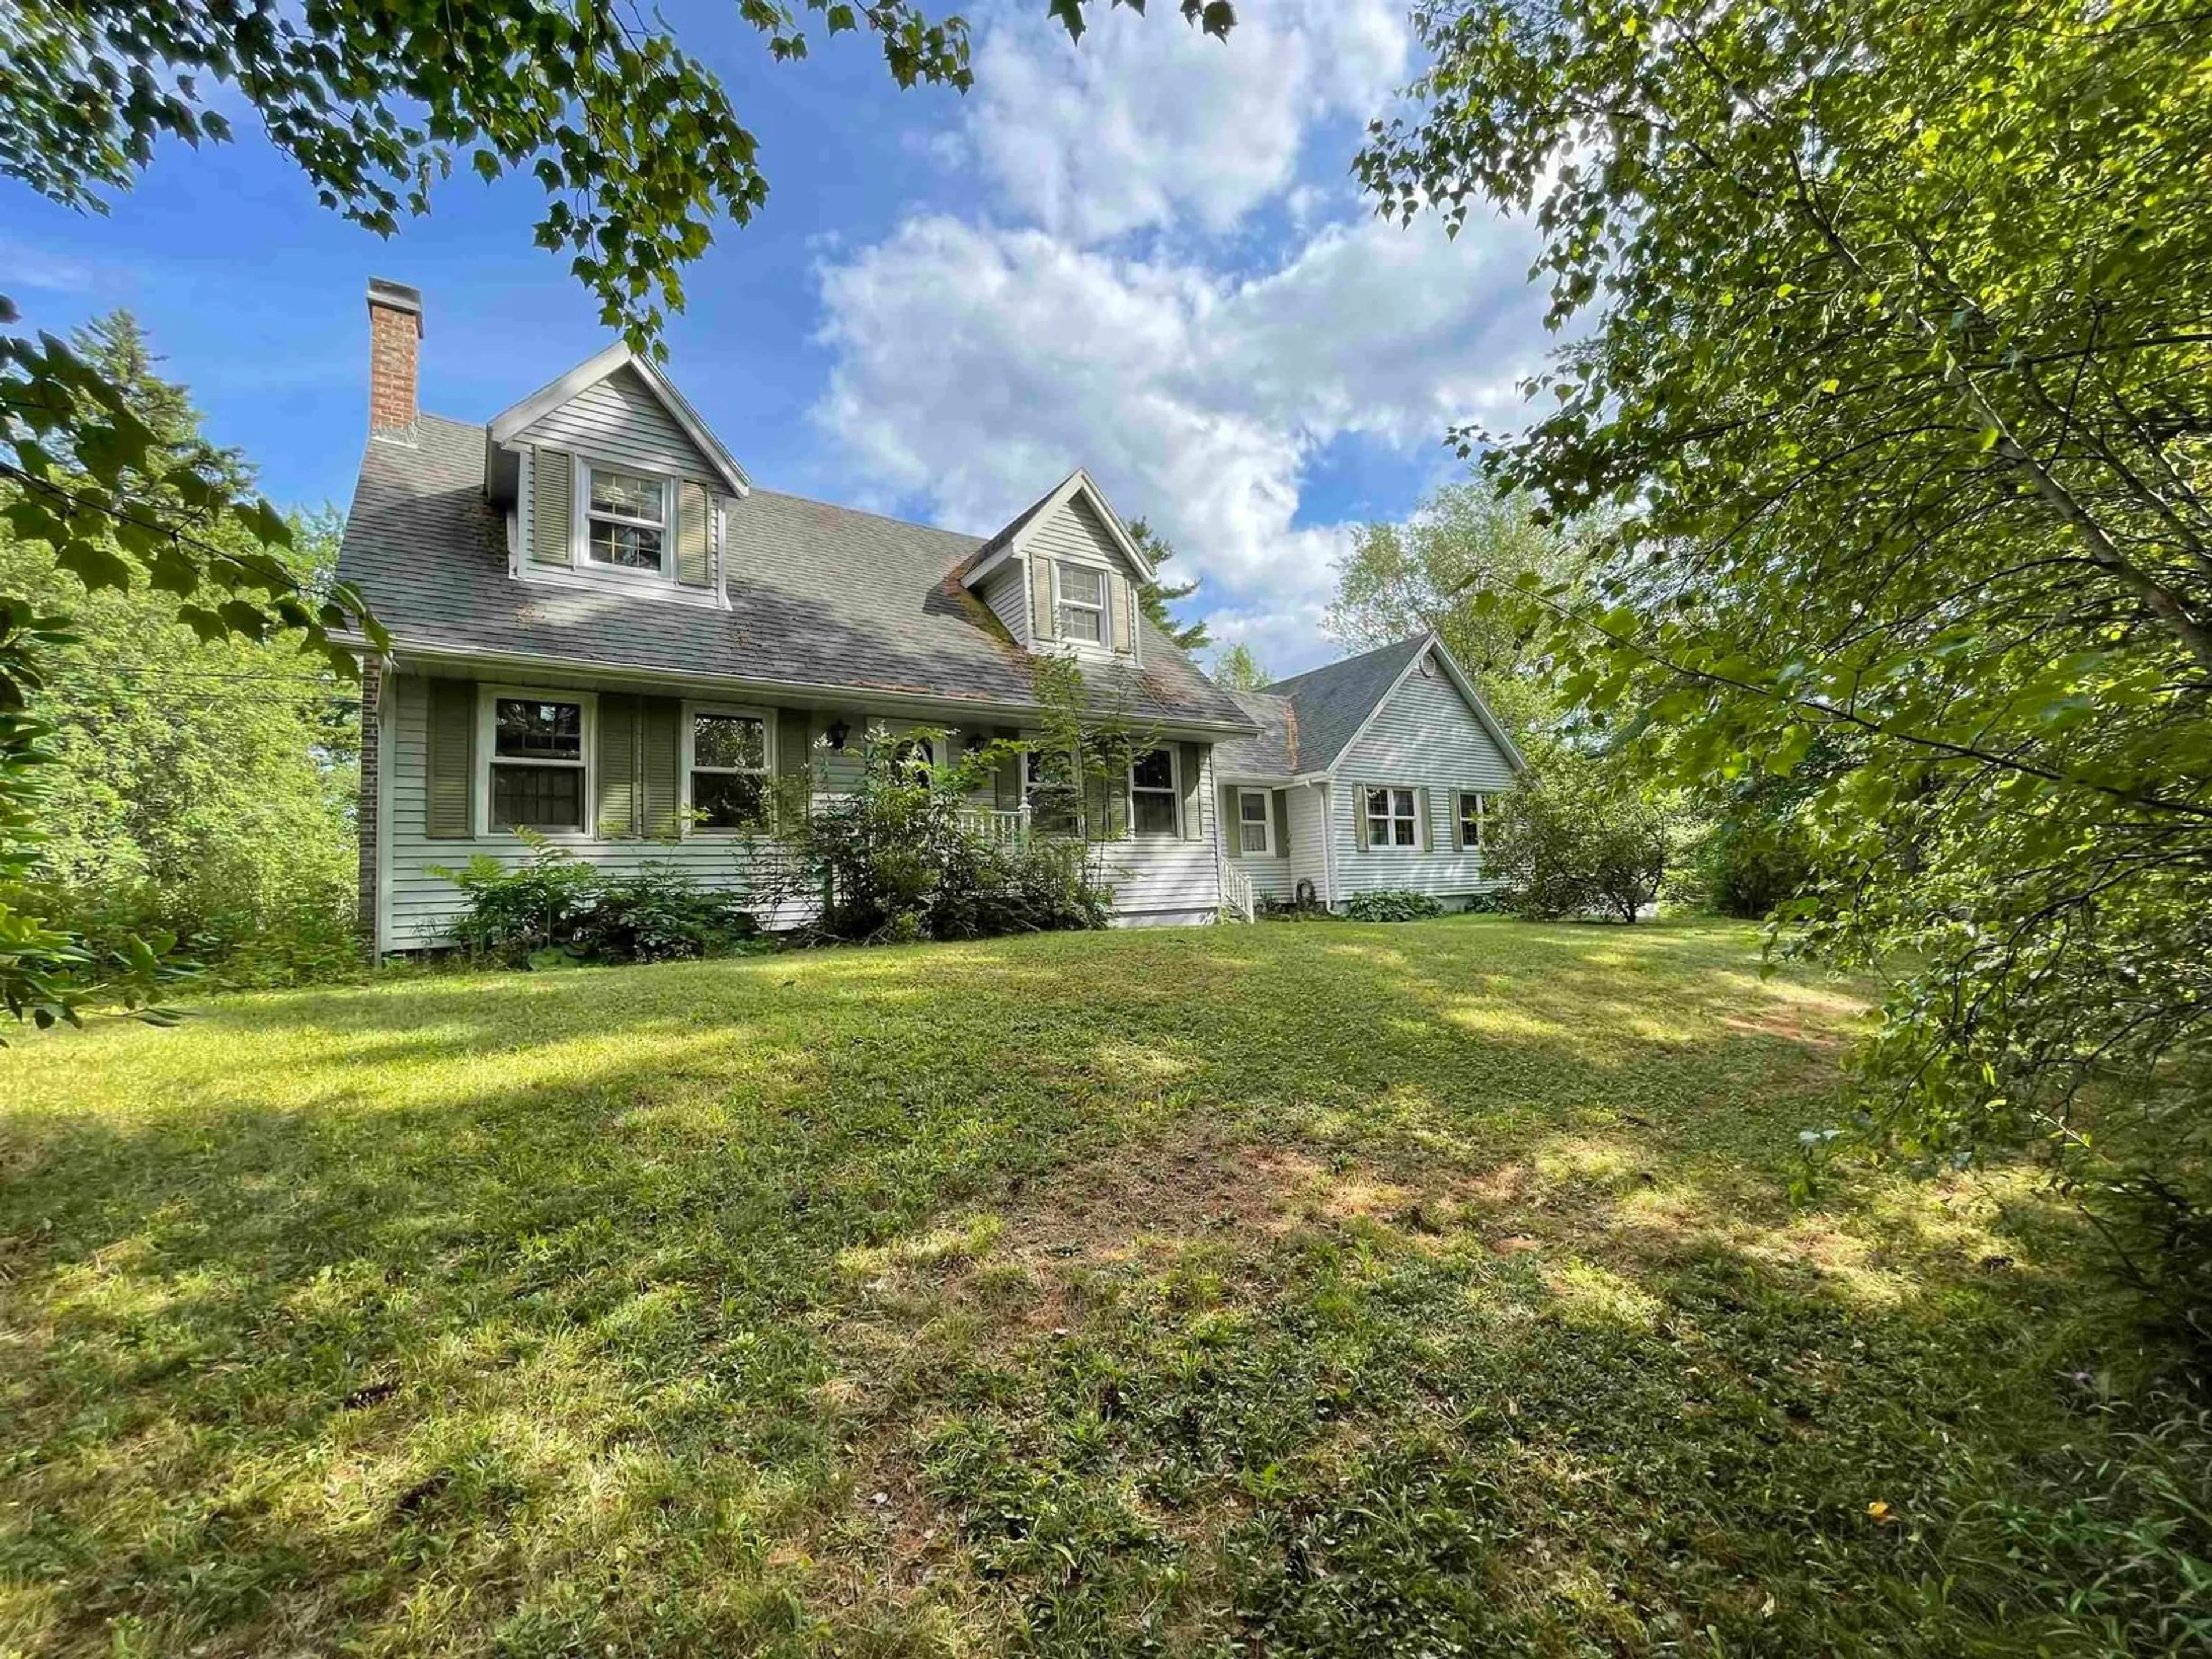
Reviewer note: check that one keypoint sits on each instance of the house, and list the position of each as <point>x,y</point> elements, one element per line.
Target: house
<point>604,633</point>
<point>1372,773</point>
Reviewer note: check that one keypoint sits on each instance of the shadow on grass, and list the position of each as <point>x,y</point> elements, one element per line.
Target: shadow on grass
<point>539,1312</point>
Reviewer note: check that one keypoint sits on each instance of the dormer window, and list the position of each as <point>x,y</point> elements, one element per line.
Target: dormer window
<point>1082,603</point>
<point>626,519</point>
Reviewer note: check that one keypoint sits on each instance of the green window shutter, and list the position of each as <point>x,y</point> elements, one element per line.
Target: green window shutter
<point>615,780</point>
<point>1421,814</point>
<point>1232,826</point>
<point>1192,761</point>
<point>1282,806</point>
<point>794,757</point>
<point>1105,807</point>
<point>1041,617</point>
<point>659,735</point>
<point>552,490</point>
<point>1006,784</point>
<point>1359,816</point>
<point>693,520</point>
<point>452,760</point>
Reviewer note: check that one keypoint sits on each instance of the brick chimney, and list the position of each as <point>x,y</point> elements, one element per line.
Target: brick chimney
<point>395,331</point>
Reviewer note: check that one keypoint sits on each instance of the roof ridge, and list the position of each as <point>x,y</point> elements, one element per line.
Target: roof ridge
<point>1345,662</point>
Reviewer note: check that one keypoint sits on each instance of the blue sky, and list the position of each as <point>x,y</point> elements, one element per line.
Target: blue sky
<point>1142,254</point>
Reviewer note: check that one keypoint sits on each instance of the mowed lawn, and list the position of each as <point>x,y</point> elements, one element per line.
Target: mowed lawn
<point>1292,1289</point>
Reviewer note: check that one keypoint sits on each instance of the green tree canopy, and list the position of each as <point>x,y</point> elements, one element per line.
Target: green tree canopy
<point>1401,579</point>
<point>1895,348</point>
<point>1236,668</point>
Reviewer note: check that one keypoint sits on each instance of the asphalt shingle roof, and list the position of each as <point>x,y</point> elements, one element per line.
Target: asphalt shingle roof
<point>820,595</point>
<point>1271,753</point>
<point>1306,721</point>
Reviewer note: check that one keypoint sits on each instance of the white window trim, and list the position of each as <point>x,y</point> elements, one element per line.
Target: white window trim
<point>686,758</point>
<point>1375,846</point>
<point>1103,645</point>
<point>1266,821</point>
<point>1174,793</point>
<point>487,698</point>
<point>578,572</point>
<point>1481,842</point>
<point>580,522</point>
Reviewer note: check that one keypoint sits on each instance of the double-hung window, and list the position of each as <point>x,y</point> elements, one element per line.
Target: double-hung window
<point>1049,791</point>
<point>1153,793</point>
<point>537,763</point>
<point>729,767</point>
<point>625,519</point>
<point>1255,828</point>
<point>1391,819</point>
<point>1472,807</point>
<point>1083,603</point>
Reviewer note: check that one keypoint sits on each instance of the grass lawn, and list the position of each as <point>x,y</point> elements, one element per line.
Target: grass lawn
<point>1292,1289</point>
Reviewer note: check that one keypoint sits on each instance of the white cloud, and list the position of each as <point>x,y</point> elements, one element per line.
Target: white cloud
<point>975,366</point>
<point>1147,120</point>
<point>1110,325</point>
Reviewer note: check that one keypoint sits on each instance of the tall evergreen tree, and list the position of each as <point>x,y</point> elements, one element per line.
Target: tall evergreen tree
<point>1155,597</point>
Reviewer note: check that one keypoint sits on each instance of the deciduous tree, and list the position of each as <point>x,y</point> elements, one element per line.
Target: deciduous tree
<point>1895,348</point>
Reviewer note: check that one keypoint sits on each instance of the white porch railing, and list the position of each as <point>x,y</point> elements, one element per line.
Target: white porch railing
<point>1237,892</point>
<point>999,828</point>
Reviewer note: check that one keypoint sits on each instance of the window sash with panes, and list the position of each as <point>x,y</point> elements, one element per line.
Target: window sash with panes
<point>729,769</point>
<point>1392,821</point>
<point>537,763</point>
<point>1473,806</point>
<point>1083,603</point>
<point>1252,825</point>
<point>626,519</point>
<point>1153,793</point>
<point>1049,792</point>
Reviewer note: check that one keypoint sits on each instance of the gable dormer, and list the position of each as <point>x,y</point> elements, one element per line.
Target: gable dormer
<point>612,481</point>
<point>1064,575</point>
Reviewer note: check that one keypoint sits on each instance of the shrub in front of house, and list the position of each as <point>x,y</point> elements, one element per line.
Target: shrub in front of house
<point>555,910</point>
<point>893,857</point>
<point>1579,841</point>
<point>1392,904</point>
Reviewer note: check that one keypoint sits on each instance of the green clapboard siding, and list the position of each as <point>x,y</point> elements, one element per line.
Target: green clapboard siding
<point>794,757</point>
<point>692,519</point>
<point>551,490</point>
<point>616,808</point>
<point>451,760</point>
<point>659,735</point>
